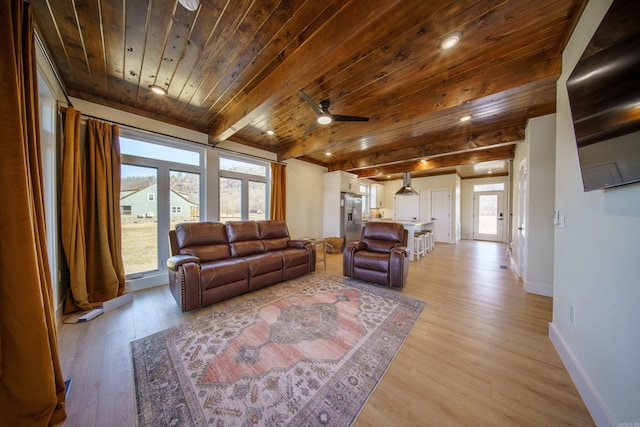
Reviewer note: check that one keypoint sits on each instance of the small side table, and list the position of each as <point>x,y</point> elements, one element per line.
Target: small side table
<point>318,243</point>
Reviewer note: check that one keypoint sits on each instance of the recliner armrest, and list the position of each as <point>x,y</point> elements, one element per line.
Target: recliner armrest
<point>355,246</point>
<point>177,260</point>
<point>400,249</point>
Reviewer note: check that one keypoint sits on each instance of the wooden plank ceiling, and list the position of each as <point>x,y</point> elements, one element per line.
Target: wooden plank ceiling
<point>232,69</point>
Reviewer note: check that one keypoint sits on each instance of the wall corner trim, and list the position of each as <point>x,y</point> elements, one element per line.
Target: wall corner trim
<point>596,407</point>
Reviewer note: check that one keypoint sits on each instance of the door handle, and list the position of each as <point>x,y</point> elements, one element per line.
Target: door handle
<point>520,228</point>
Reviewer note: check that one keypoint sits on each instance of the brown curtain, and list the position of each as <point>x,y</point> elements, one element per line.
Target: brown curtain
<point>72,214</point>
<point>278,192</point>
<point>105,270</point>
<point>31,385</point>
<point>91,212</point>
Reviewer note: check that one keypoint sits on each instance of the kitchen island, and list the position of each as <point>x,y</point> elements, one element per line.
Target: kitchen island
<point>413,227</point>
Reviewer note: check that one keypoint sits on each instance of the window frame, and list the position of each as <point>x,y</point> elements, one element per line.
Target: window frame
<point>245,179</point>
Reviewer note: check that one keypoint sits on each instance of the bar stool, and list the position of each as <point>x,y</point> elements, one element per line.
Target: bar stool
<point>427,237</point>
<point>419,245</point>
<point>430,242</point>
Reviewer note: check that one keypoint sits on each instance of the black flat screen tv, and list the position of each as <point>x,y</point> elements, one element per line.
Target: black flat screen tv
<point>604,95</point>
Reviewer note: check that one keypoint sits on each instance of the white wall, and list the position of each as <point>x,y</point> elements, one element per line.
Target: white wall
<point>305,195</point>
<point>537,153</point>
<point>596,269</point>
<point>540,133</point>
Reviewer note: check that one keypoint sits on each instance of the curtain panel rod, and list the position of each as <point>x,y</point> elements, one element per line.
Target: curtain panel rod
<point>207,146</point>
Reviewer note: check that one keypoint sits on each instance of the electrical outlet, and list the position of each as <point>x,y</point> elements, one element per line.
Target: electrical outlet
<point>572,314</point>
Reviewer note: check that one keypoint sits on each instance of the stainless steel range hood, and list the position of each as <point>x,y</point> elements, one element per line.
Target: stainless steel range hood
<point>406,189</point>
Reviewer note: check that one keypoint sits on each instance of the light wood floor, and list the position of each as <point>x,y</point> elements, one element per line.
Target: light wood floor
<point>479,354</point>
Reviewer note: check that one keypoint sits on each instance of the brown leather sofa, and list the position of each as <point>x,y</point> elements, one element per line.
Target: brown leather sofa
<point>213,261</point>
<point>380,256</point>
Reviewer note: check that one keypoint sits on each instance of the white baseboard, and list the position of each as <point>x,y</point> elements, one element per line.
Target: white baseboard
<point>514,267</point>
<point>539,289</point>
<point>598,410</point>
<point>116,302</point>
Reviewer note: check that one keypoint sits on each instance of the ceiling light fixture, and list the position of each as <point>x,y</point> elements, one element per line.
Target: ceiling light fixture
<point>451,40</point>
<point>328,153</point>
<point>158,89</point>
<point>324,119</point>
<point>270,132</point>
<point>190,5</point>
<point>465,118</point>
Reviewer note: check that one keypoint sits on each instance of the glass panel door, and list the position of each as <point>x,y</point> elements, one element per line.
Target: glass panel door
<point>489,216</point>
<point>139,212</point>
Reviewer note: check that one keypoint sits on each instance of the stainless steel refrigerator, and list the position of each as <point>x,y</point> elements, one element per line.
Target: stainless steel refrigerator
<point>350,217</point>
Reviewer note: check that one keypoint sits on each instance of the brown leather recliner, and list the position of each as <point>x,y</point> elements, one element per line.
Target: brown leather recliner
<point>380,256</point>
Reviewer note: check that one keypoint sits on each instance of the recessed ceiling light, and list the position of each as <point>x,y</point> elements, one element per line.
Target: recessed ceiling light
<point>328,153</point>
<point>423,161</point>
<point>270,132</point>
<point>465,118</point>
<point>451,40</point>
<point>324,119</point>
<point>158,89</point>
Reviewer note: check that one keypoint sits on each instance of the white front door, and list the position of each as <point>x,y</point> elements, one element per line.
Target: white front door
<point>441,215</point>
<point>488,215</point>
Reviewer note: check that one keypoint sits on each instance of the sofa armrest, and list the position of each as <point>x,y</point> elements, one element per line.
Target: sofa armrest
<point>184,281</point>
<point>309,246</point>
<point>177,260</point>
<point>298,244</point>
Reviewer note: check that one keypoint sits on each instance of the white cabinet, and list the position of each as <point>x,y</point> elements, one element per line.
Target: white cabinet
<point>341,182</point>
<point>376,196</point>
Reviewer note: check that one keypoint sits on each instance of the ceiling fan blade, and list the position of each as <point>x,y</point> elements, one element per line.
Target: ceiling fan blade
<point>310,128</point>
<point>313,105</point>
<point>340,118</point>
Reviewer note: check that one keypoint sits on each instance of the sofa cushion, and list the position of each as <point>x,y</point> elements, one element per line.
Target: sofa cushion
<point>205,240</point>
<point>219,273</point>
<point>274,234</point>
<point>244,238</point>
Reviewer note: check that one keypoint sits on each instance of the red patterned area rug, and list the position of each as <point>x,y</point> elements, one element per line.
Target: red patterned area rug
<point>307,353</point>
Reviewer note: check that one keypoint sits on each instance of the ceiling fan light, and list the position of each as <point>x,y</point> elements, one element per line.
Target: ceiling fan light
<point>190,5</point>
<point>451,40</point>
<point>158,89</point>
<point>324,119</point>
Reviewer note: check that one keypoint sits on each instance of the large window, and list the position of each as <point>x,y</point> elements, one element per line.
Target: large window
<point>244,192</point>
<point>161,186</point>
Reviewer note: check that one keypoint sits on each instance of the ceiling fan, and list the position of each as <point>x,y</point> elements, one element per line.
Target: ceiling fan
<point>324,116</point>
